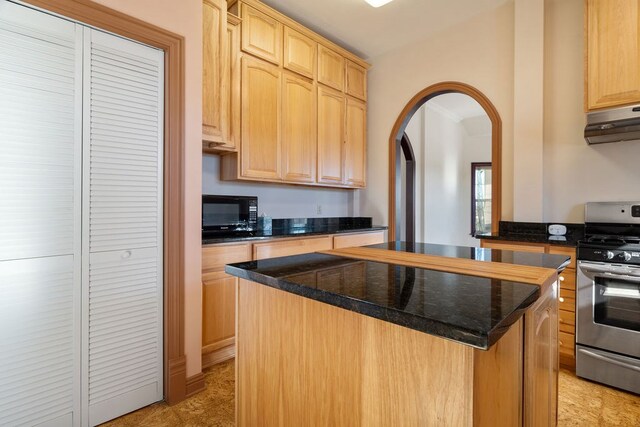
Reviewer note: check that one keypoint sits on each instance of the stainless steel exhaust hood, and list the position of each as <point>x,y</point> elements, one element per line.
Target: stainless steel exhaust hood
<point>613,125</point>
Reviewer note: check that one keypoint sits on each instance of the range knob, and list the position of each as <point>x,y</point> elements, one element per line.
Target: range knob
<point>610,255</point>
<point>627,256</point>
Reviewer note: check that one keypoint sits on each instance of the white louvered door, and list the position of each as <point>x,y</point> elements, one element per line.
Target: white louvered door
<point>122,219</point>
<point>40,190</point>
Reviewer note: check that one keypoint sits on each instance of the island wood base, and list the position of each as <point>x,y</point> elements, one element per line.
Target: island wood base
<point>301,362</point>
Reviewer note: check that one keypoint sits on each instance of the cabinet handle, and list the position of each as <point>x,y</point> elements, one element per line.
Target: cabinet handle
<point>126,254</point>
<point>560,342</point>
<point>561,299</point>
<point>562,278</point>
<point>560,320</point>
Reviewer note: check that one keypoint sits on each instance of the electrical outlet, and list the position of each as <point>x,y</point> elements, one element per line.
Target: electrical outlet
<point>318,209</point>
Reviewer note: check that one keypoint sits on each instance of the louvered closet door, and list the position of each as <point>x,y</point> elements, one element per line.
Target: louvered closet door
<point>40,171</point>
<point>123,216</point>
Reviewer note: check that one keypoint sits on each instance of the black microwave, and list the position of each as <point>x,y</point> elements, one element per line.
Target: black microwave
<point>231,215</point>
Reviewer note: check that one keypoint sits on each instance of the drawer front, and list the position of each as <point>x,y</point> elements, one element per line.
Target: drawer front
<point>361,239</point>
<point>567,321</point>
<point>568,279</point>
<point>566,343</point>
<point>567,300</point>
<point>560,250</point>
<point>215,257</point>
<point>291,247</point>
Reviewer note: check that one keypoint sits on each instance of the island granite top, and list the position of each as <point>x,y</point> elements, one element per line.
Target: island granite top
<point>472,310</point>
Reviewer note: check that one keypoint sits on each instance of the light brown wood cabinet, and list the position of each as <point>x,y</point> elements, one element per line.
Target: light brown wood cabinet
<point>355,157</point>
<point>331,68</point>
<point>300,53</point>
<point>612,63</point>
<point>331,121</point>
<point>299,122</point>
<point>261,34</point>
<point>355,80</point>
<point>219,288</point>
<point>566,293</point>
<point>232,80</point>
<point>215,93</point>
<point>279,126</point>
<point>261,109</point>
<point>541,360</point>
<point>218,301</point>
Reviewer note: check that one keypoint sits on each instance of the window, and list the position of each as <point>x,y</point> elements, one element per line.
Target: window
<point>480,198</point>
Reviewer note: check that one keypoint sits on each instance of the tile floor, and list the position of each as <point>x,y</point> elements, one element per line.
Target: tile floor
<point>581,403</point>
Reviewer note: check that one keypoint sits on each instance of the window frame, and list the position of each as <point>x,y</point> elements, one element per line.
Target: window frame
<point>474,167</point>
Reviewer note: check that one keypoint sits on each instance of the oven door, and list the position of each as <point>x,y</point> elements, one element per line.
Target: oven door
<point>608,312</point>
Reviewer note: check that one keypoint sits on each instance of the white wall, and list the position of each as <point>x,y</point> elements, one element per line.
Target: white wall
<point>280,201</point>
<point>478,52</point>
<point>444,149</point>
<point>574,172</point>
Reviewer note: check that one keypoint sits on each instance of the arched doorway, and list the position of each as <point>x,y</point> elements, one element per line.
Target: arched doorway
<point>398,132</point>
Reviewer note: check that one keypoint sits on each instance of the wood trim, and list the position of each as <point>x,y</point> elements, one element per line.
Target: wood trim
<point>496,270</point>
<point>102,17</point>
<point>496,144</point>
<point>218,356</point>
<point>195,384</point>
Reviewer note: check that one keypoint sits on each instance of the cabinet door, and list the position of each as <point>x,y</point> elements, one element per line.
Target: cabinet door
<point>330,136</point>
<point>40,201</point>
<point>122,219</point>
<point>330,68</point>
<point>300,53</point>
<point>215,94</point>
<point>261,98</point>
<point>299,136</point>
<point>613,53</point>
<point>218,312</point>
<point>261,35</point>
<point>355,158</point>
<point>541,361</point>
<point>233,81</point>
<point>356,80</point>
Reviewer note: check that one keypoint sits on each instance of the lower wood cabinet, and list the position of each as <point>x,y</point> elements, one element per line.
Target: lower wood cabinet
<point>566,293</point>
<point>219,288</point>
<point>541,360</point>
<point>218,301</point>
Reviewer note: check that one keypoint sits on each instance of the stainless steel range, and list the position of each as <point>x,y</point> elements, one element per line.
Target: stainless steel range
<point>608,296</point>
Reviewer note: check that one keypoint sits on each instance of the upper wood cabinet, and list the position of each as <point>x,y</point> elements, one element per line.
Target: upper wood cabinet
<point>215,94</point>
<point>300,53</point>
<point>330,68</point>
<point>274,126</point>
<point>299,120</point>
<point>331,119</point>
<point>612,38</point>
<point>356,80</point>
<point>355,157</point>
<point>261,106</point>
<point>232,81</point>
<point>261,35</point>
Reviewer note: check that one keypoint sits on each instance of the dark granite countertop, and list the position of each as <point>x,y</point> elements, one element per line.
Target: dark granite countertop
<point>299,227</point>
<point>535,232</point>
<point>471,310</point>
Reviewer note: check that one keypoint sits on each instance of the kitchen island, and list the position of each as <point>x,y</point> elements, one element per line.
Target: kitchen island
<point>398,334</point>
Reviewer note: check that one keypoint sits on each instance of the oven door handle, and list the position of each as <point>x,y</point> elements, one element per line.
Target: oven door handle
<point>611,271</point>
<point>609,360</point>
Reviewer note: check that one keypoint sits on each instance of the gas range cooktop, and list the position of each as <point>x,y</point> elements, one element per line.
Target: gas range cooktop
<point>612,233</point>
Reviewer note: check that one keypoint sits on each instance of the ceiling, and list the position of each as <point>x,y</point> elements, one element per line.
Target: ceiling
<point>458,106</point>
<point>369,31</point>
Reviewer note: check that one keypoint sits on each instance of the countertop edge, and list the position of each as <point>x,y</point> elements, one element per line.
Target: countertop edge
<point>482,341</point>
<point>215,241</point>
